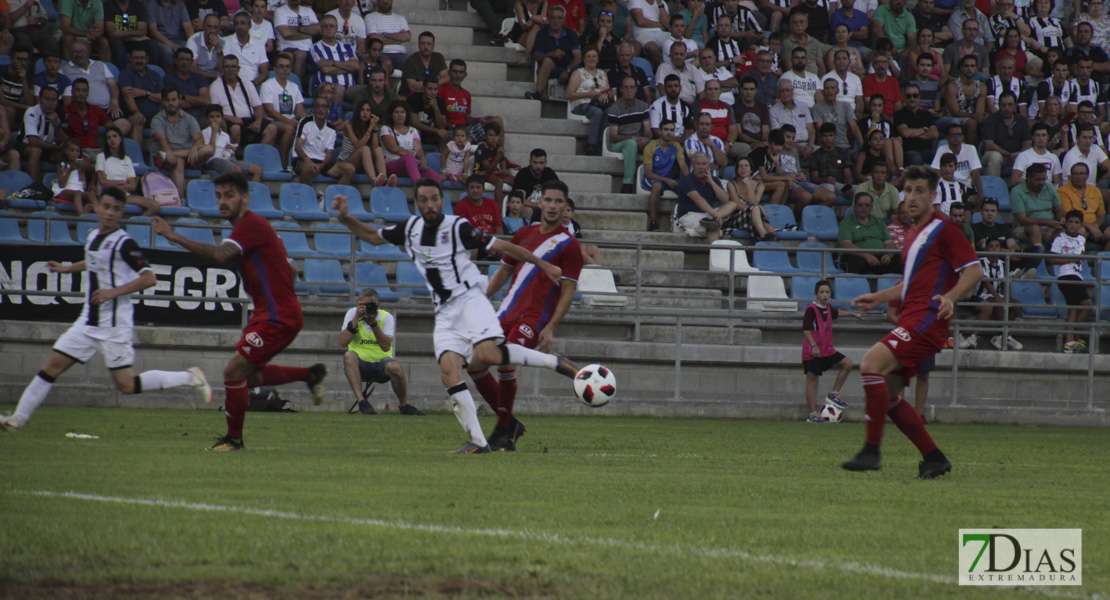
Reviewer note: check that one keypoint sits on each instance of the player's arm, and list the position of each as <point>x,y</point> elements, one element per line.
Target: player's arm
<point>218,254</point>
<point>511,249</point>
<point>145,280</point>
<point>969,280</point>
<point>57,267</point>
<point>361,230</point>
<point>868,301</point>
<point>567,287</point>
<point>500,276</point>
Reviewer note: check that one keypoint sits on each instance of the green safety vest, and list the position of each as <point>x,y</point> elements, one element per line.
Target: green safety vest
<point>365,343</point>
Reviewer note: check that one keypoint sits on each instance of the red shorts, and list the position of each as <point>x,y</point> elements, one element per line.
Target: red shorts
<point>520,333</point>
<point>262,341</point>
<point>911,348</point>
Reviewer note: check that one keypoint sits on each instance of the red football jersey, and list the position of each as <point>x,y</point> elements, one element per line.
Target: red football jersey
<point>532,296</point>
<point>458,104</point>
<point>932,258</point>
<point>484,218</point>
<point>264,266</point>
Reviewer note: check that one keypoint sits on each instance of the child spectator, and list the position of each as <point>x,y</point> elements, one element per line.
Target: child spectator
<point>52,62</point>
<point>215,136</point>
<point>774,46</point>
<point>818,353</point>
<point>514,208</point>
<point>957,213</point>
<point>491,164</point>
<point>1069,276</point>
<point>992,289</point>
<point>456,161</point>
<point>949,189</point>
<point>591,255</point>
<point>71,186</point>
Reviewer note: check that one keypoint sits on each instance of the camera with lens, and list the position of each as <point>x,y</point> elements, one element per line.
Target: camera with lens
<point>371,308</point>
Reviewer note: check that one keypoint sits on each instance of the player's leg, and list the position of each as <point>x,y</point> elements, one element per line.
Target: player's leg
<point>450,366</point>
<point>129,383</point>
<point>921,392</point>
<point>908,420</point>
<point>37,391</point>
<point>236,399</point>
<point>877,363</point>
<point>512,354</point>
<point>278,375</point>
<point>846,366</point>
<point>485,383</point>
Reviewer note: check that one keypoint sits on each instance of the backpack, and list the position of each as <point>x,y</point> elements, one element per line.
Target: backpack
<point>266,399</point>
<point>161,189</point>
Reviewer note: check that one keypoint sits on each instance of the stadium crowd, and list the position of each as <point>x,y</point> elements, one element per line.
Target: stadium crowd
<point>731,105</point>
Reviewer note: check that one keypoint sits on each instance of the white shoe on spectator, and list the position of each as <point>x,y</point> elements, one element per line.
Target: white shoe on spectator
<point>996,341</point>
<point>969,342</point>
<point>1013,344</point>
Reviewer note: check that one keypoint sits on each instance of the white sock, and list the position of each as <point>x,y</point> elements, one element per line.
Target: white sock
<point>467,414</point>
<point>32,397</point>
<point>160,380</point>
<point>519,355</point>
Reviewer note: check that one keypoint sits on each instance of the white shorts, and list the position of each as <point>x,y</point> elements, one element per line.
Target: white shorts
<point>645,36</point>
<point>465,321</point>
<point>81,342</point>
<point>690,223</point>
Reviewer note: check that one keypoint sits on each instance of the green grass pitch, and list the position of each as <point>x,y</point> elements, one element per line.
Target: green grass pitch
<point>337,506</point>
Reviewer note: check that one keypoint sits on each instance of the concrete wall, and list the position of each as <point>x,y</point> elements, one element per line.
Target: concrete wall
<point>740,381</point>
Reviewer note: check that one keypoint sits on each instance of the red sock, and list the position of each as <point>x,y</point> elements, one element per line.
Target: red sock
<point>235,406</point>
<point>878,400</point>
<point>508,398</point>
<point>275,375</point>
<point>487,387</point>
<point>909,422</point>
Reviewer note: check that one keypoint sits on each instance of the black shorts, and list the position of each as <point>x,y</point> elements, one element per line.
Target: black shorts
<point>819,365</point>
<point>1074,289</point>
<point>374,371</point>
<point>247,137</point>
<point>928,365</point>
<point>324,171</point>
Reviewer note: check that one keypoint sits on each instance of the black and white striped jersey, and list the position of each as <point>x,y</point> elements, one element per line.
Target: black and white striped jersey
<point>441,253</point>
<point>112,260</point>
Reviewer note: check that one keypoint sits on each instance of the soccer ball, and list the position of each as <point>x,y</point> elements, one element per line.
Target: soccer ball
<point>833,413</point>
<point>595,385</point>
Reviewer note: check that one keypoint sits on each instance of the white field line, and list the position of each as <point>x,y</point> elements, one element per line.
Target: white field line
<point>539,536</point>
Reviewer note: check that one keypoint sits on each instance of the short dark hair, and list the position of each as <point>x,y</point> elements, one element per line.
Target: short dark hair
<point>956,206</point>
<point>1074,213</point>
<point>457,62</point>
<point>170,89</point>
<point>183,50</point>
<point>368,293</point>
<point>555,184</point>
<point>426,34</point>
<point>990,201</point>
<point>476,179</point>
<point>859,195</point>
<point>213,108</point>
<point>788,127</point>
<point>424,182</point>
<point>947,159</point>
<point>1035,169</point>
<point>827,128</point>
<point>80,80</point>
<point>823,282</point>
<point>948,131</point>
<point>538,153</point>
<point>919,172</point>
<point>120,196</point>
<point>670,78</point>
<point>1038,126</point>
<point>776,137</point>
<point>494,127</point>
<point>235,180</point>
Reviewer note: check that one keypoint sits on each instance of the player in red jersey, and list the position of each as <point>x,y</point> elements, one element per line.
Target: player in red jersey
<point>940,268</point>
<point>532,308</point>
<point>276,318</point>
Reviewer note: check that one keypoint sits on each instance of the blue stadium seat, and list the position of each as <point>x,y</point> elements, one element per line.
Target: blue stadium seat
<point>435,161</point>
<point>139,230</point>
<point>59,230</point>
<point>801,289</point>
<point>887,282</point>
<point>13,181</point>
<point>741,234</point>
<point>772,261</point>
<point>296,243</point>
<point>1101,269</point>
<point>373,276</point>
<point>9,229</point>
<point>202,197</point>
<point>1056,298</point>
<point>448,207</point>
<point>1029,293</point>
<point>84,226</point>
<point>810,262</point>
<point>781,217</point>
<point>299,201</point>
<point>334,239</point>
<point>820,222</point>
<point>846,289</point>
<point>389,204</point>
<point>159,70</point>
<point>407,274</point>
<point>269,159</point>
<point>355,205</point>
<point>113,69</point>
<point>48,8</point>
<point>203,235</point>
<point>644,64</point>
<point>262,203</point>
<point>995,187</point>
<point>326,277</point>
<point>727,174</point>
<point>134,151</point>
<point>1104,301</point>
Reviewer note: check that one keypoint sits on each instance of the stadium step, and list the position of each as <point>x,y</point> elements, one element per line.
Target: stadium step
<point>675,297</point>
<point>448,37</point>
<point>450,18</point>
<point>547,126</point>
<point>494,85</point>
<point>652,259</point>
<point>585,181</point>
<point>585,164</point>
<point>519,145</point>
<point>741,336</point>
<point>607,220</point>
<point>507,108</point>
<point>637,202</point>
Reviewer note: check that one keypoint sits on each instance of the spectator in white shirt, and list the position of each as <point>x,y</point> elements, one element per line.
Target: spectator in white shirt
<point>207,46</point>
<point>253,64</point>
<point>283,103</point>
<point>262,29</point>
<point>296,27</point>
<point>315,148</point>
<point>242,107</point>
<point>352,26</point>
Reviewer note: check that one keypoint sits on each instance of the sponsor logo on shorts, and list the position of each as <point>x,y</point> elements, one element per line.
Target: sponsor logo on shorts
<point>254,339</point>
<point>901,333</point>
<point>526,331</point>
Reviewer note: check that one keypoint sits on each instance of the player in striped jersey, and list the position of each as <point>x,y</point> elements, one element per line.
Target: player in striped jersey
<point>532,308</point>
<point>940,269</point>
<point>466,329</point>
<point>116,269</point>
<point>950,191</point>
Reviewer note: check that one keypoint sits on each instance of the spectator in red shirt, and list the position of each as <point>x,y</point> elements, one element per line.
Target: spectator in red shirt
<point>576,14</point>
<point>883,84</point>
<point>84,119</point>
<point>482,212</point>
<point>458,104</point>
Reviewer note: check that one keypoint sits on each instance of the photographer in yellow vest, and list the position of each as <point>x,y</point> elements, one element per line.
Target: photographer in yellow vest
<point>368,336</point>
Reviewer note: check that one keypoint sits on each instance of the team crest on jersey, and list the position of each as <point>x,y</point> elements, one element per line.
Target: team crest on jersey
<point>443,237</point>
<point>254,339</point>
<point>901,333</point>
<point>527,332</point>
